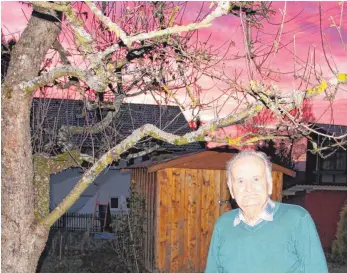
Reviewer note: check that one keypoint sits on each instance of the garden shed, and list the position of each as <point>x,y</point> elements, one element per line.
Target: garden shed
<point>184,197</point>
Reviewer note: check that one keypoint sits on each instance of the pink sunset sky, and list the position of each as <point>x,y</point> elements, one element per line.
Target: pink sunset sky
<point>305,27</point>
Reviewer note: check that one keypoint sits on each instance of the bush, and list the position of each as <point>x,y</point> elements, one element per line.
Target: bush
<point>339,248</point>
<point>129,230</point>
<point>72,252</point>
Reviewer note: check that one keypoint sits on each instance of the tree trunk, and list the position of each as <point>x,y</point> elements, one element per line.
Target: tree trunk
<point>23,238</point>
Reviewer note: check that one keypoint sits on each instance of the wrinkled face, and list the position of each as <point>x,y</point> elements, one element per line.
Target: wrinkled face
<point>249,184</point>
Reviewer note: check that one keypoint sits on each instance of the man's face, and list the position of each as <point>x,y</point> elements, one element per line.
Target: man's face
<point>249,184</point>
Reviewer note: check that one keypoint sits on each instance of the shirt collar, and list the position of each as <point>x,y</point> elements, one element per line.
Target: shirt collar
<point>266,215</point>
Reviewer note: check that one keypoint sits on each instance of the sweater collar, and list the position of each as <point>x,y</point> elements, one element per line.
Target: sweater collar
<point>266,215</point>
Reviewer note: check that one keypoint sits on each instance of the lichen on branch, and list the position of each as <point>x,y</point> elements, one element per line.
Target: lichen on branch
<point>221,10</point>
<point>107,21</point>
<point>138,134</point>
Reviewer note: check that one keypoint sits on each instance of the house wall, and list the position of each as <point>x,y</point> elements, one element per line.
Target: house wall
<point>110,183</point>
<point>325,207</point>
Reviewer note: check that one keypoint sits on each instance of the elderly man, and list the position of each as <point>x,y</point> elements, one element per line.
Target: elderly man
<point>262,236</point>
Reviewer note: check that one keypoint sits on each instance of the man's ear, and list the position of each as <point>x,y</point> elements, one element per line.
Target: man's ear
<point>270,189</point>
<point>231,191</point>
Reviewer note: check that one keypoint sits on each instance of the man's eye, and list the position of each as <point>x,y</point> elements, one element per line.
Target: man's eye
<point>256,179</point>
<point>240,181</point>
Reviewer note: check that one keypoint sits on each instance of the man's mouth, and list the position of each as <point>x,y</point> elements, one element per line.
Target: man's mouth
<point>251,196</point>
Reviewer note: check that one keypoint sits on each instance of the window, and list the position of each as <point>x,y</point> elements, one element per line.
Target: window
<point>333,178</point>
<point>119,203</point>
<point>335,162</point>
<point>114,203</point>
<point>340,178</point>
<point>334,168</point>
<point>327,178</point>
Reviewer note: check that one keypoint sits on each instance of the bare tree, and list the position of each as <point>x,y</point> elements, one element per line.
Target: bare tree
<point>113,53</point>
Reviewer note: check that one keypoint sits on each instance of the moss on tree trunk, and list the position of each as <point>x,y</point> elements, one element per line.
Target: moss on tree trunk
<point>23,238</point>
<point>43,168</point>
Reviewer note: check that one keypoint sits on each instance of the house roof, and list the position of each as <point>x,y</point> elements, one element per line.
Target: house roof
<point>309,188</point>
<point>48,115</point>
<point>337,130</point>
<point>214,159</point>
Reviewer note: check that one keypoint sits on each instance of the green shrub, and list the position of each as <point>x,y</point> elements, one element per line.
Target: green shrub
<point>339,248</point>
<point>129,230</point>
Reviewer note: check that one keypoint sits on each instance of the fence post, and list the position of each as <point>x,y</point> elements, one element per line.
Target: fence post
<point>60,247</point>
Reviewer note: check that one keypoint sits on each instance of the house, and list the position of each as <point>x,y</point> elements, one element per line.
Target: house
<point>110,187</point>
<point>106,196</point>
<point>184,197</point>
<point>333,169</point>
<point>324,191</point>
<point>49,115</point>
<point>109,192</point>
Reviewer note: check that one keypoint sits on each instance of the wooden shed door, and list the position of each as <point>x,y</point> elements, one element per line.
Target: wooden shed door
<point>189,202</point>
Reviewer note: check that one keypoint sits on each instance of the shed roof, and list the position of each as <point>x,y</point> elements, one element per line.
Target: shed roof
<point>308,188</point>
<point>214,159</point>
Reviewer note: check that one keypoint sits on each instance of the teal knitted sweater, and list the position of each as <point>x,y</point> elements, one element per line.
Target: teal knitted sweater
<point>288,244</point>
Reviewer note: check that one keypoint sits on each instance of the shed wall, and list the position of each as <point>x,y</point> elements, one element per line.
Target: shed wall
<point>325,208</point>
<point>187,210</point>
<point>145,186</point>
<point>277,186</point>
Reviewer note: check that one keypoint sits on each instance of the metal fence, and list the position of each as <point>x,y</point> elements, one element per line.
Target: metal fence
<point>76,222</point>
<point>88,222</point>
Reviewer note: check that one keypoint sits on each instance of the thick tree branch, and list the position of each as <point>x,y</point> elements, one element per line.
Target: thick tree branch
<point>107,21</point>
<point>102,54</point>
<point>246,139</point>
<point>49,77</point>
<point>142,153</point>
<point>130,141</point>
<point>296,98</point>
<point>66,131</point>
<point>50,5</point>
<point>221,10</point>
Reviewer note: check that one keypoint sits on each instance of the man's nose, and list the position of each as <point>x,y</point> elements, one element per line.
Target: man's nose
<point>248,186</point>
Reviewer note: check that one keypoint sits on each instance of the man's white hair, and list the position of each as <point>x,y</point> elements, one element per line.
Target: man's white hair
<point>245,153</point>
